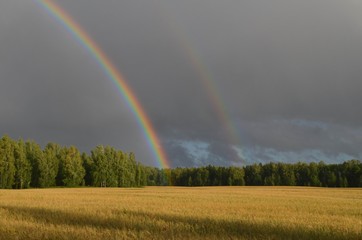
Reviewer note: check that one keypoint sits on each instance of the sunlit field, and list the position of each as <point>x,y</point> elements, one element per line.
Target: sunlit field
<point>181,213</point>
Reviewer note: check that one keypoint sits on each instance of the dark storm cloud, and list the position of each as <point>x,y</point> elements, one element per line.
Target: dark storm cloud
<point>297,135</point>
<point>51,90</point>
<point>288,72</point>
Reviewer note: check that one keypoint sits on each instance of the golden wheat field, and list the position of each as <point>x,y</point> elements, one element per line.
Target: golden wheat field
<point>181,213</point>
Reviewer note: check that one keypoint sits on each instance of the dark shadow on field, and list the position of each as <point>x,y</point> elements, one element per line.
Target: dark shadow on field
<point>174,225</point>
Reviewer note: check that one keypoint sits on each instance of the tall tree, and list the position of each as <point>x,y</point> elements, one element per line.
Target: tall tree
<point>49,165</point>
<point>22,166</point>
<point>253,175</point>
<point>35,156</point>
<point>353,172</point>
<point>7,162</point>
<point>111,157</point>
<point>237,176</point>
<point>71,168</point>
<point>119,168</point>
<point>99,173</point>
<point>88,167</point>
<point>302,174</point>
<point>286,173</point>
<point>269,173</point>
<point>314,175</point>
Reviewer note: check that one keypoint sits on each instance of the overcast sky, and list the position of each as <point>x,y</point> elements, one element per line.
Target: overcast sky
<point>223,82</point>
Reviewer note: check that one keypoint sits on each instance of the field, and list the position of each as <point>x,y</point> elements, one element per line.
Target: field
<point>181,213</point>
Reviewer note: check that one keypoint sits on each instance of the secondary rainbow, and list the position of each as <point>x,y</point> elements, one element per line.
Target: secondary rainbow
<point>207,80</point>
<point>219,106</point>
<point>113,74</point>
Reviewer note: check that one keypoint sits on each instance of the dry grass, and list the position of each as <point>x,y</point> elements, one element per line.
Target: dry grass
<point>181,213</point>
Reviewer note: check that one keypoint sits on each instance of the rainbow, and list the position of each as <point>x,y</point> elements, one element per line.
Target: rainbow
<point>55,11</point>
<point>207,81</point>
<point>214,96</point>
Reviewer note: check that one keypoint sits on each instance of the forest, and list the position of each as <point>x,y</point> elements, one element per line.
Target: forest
<point>25,164</point>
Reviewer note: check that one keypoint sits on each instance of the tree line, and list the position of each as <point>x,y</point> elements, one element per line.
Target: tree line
<point>346,174</point>
<point>24,164</point>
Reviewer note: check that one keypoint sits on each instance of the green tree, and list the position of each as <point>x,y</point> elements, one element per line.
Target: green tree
<point>237,176</point>
<point>253,175</point>
<point>314,175</point>
<point>138,175</point>
<point>22,166</point>
<point>353,172</point>
<point>151,175</point>
<point>119,168</point>
<point>71,169</point>
<point>176,176</point>
<point>331,179</point>
<point>214,179</point>
<point>302,174</point>
<point>131,170</point>
<point>197,178</point>
<point>111,156</point>
<point>286,173</point>
<point>35,156</point>
<point>49,165</point>
<point>269,172</point>
<point>88,167</point>
<point>189,182</point>
<point>7,162</point>
<point>104,166</point>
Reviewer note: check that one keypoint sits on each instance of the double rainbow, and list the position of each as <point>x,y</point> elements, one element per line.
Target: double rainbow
<point>112,73</point>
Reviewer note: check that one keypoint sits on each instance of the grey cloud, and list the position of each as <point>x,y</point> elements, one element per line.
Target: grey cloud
<point>288,135</point>
<point>274,63</point>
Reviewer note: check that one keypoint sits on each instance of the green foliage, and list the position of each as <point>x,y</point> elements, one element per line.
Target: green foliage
<point>88,163</point>
<point>49,165</point>
<point>7,162</point>
<point>151,176</point>
<point>353,172</point>
<point>71,172</point>
<point>102,167</point>
<point>253,176</point>
<point>236,176</point>
<point>24,165</point>
<point>35,156</point>
<point>112,168</point>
